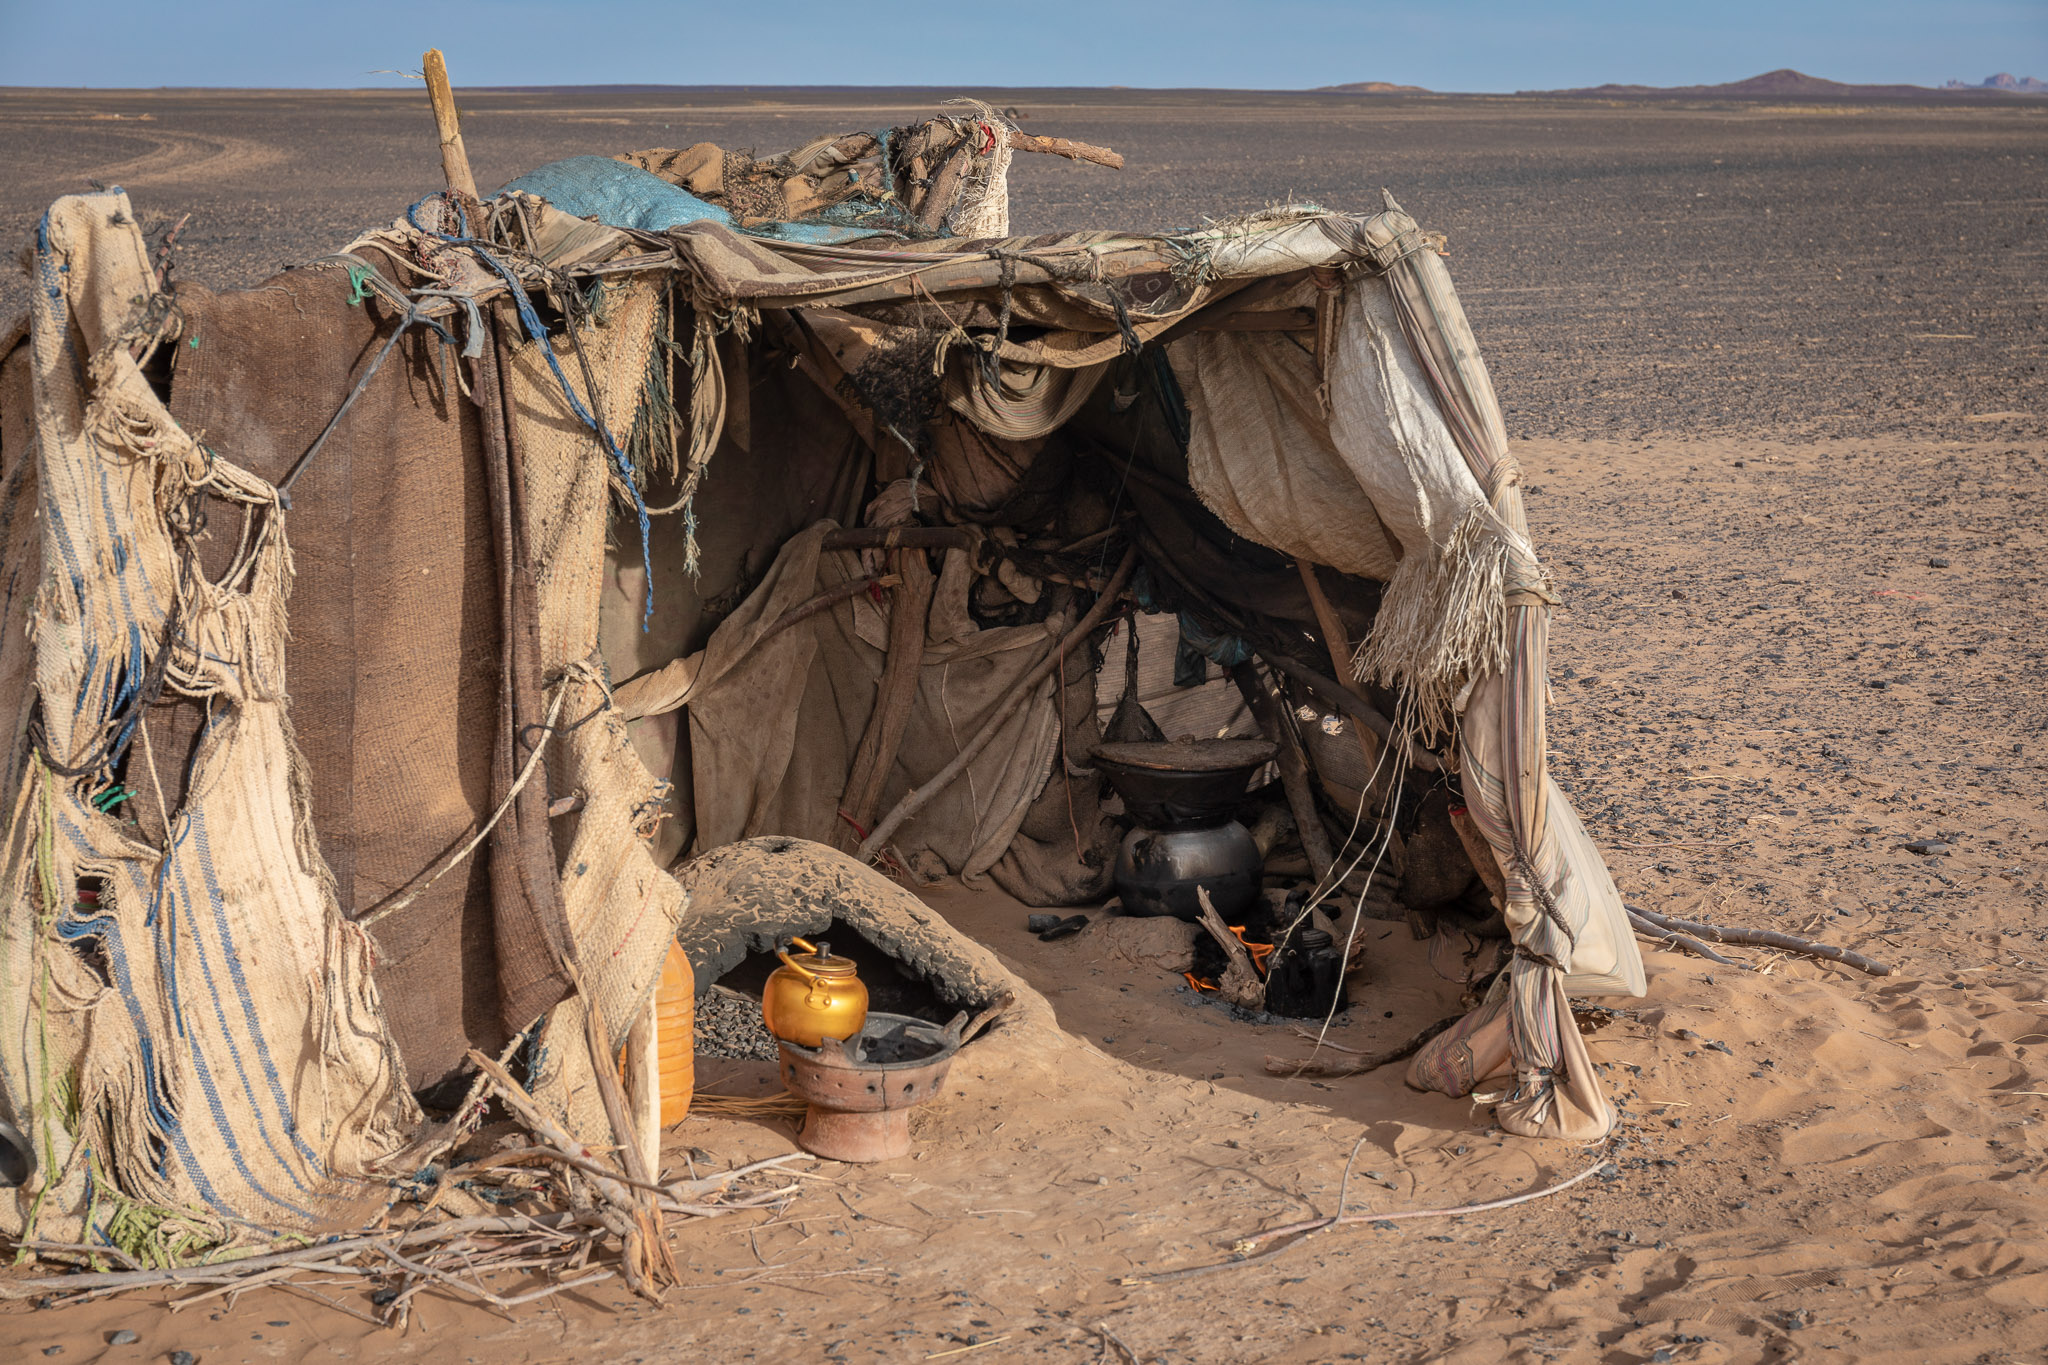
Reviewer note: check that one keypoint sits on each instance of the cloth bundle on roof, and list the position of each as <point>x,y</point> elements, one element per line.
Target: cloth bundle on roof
<point>625,196</point>
<point>940,177</point>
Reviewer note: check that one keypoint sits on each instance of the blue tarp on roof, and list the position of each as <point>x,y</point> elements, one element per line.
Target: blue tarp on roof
<point>622,195</point>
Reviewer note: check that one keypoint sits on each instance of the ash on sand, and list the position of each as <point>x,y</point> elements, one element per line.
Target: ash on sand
<point>729,1026</point>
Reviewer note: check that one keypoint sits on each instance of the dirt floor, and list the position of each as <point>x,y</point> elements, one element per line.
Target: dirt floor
<point>1803,627</point>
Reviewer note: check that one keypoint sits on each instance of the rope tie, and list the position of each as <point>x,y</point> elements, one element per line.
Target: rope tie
<point>473,343</point>
<point>357,292</point>
<point>537,332</point>
<point>1006,283</point>
<point>413,317</point>
<point>1541,894</point>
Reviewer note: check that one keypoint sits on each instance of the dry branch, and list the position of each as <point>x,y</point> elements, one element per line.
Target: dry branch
<point>1066,147</point>
<point>1360,1062</point>
<point>1246,1251</point>
<point>458,1254</point>
<point>1683,942</point>
<point>1662,925</point>
<point>1241,984</point>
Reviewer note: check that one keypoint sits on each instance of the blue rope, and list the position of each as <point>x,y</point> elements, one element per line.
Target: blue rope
<point>530,320</point>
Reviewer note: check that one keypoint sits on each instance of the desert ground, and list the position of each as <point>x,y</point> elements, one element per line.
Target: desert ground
<point>1777,377</point>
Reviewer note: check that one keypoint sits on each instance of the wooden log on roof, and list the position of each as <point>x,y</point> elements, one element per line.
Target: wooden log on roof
<point>454,158</point>
<point>1066,147</point>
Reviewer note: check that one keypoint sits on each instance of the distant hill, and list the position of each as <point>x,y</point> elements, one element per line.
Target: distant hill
<point>1784,83</point>
<point>2004,80</point>
<point>1371,88</point>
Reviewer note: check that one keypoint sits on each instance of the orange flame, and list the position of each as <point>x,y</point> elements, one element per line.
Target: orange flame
<point>1259,951</point>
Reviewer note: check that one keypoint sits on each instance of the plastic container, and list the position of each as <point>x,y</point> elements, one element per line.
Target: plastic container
<point>675,1013</point>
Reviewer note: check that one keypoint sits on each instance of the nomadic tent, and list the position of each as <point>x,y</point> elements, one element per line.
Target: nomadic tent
<point>375,639</point>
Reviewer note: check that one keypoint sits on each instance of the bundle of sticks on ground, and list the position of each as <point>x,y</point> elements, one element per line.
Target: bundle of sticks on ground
<point>571,1219</point>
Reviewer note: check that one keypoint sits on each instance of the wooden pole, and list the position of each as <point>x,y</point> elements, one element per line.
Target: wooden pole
<point>1339,646</point>
<point>454,160</point>
<point>1066,147</point>
<point>1350,703</point>
<point>895,696</point>
<point>1019,692</point>
<point>1278,727</point>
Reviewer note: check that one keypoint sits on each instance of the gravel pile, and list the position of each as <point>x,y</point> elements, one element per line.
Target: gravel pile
<point>729,1026</point>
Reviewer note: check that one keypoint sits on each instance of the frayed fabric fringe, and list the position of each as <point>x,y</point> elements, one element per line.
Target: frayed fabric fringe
<point>1443,620</point>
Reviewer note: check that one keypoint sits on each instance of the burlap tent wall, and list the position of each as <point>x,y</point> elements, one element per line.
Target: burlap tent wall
<point>602,536</point>
<point>295,923</point>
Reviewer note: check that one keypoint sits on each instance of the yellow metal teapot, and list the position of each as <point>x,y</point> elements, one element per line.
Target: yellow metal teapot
<point>814,997</point>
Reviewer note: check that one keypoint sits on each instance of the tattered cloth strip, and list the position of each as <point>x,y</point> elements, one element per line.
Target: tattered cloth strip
<point>394,600</point>
<point>619,906</point>
<point>1411,458</point>
<point>199,1047</point>
<point>1570,929</point>
<point>945,176</point>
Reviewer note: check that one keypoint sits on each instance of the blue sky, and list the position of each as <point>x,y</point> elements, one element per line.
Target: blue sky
<point>1251,44</point>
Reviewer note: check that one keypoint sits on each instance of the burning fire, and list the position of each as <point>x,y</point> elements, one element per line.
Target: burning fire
<point>1260,953</point>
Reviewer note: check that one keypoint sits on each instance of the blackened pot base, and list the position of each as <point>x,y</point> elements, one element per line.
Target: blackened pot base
<point>1159,871</point>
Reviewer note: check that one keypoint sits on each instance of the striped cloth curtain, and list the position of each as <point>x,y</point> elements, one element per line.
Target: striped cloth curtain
<point>1569,927</point>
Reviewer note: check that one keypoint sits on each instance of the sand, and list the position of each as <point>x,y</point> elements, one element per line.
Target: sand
<point>1785,653</point>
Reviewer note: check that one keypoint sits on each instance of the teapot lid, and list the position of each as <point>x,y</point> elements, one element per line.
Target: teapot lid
<point>821,960</point>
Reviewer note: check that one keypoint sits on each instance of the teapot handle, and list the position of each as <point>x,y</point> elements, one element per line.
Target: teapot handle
<point>818,986</point>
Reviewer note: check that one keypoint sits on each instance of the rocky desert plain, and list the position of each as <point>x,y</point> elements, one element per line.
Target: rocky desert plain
<point>1776,373</point>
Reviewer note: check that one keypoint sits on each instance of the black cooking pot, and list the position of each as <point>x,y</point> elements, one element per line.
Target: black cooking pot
<point>1182,784</point>
<point>1182,794</point>
<point>1159,870</point>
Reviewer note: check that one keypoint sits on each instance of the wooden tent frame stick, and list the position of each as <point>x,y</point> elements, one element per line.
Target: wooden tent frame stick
<point>1334,694</point>
<point>1339,645</point>
<point>454,157</point>
<point>1066,147</point>
<point>915,801</point>
<point>1278,726</point>
<point>895,695</point>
